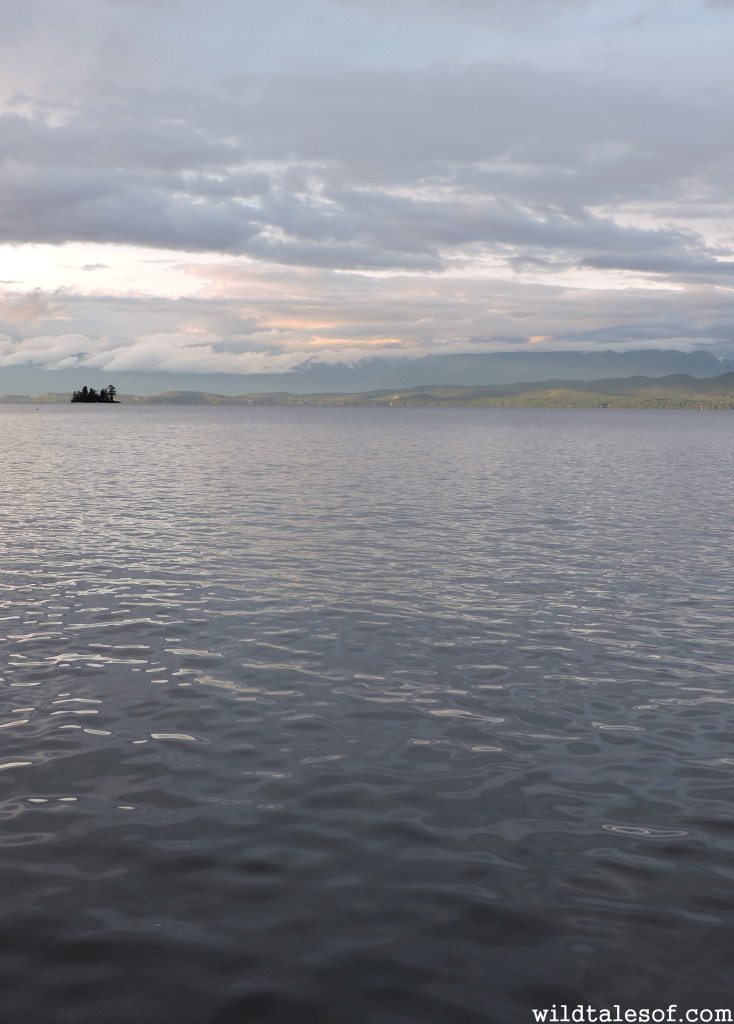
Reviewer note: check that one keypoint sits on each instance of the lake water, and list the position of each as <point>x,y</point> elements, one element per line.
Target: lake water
<point>364,716</point>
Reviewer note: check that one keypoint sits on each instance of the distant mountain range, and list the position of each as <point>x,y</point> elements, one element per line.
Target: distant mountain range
<point>380,373</point>
<point>674,391</point>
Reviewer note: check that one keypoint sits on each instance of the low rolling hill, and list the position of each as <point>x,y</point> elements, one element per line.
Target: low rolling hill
<point>675,391</point>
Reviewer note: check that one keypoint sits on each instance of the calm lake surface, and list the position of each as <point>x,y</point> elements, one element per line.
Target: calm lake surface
<point>364,716</point>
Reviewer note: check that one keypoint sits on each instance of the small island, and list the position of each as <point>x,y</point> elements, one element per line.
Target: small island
<point>90,395</point>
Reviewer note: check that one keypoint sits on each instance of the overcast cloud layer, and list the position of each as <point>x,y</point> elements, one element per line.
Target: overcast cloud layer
<point>231,186</point>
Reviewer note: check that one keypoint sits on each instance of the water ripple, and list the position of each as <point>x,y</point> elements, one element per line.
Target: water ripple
<point>346,716</point>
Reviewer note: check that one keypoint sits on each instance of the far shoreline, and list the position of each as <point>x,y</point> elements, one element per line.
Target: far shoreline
<point>672,392</point>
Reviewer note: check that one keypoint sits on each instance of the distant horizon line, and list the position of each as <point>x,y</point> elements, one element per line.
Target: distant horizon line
<point>671,390</point>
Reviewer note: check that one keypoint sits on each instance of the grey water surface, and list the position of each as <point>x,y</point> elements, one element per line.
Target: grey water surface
<point>364,716</point>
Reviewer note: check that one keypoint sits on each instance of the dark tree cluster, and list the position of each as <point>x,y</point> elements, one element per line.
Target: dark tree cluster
<point>90,395</point>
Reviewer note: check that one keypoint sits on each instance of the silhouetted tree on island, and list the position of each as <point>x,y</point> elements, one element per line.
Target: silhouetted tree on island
<point>90,395</point>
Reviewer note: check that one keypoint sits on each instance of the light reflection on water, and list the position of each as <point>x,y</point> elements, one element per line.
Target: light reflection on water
<point>390,716</point>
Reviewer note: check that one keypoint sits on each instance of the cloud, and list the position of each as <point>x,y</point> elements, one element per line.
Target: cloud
<point>663,263</point>
<point>259,320</point>
<point>344,205</point>
<point>52,351</point>
<point>26,307</point>
<point>495,13</point>
<point>159,353</point>
<point>512,161</point>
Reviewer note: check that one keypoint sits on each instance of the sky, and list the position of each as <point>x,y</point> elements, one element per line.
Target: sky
<point>236,187</point>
